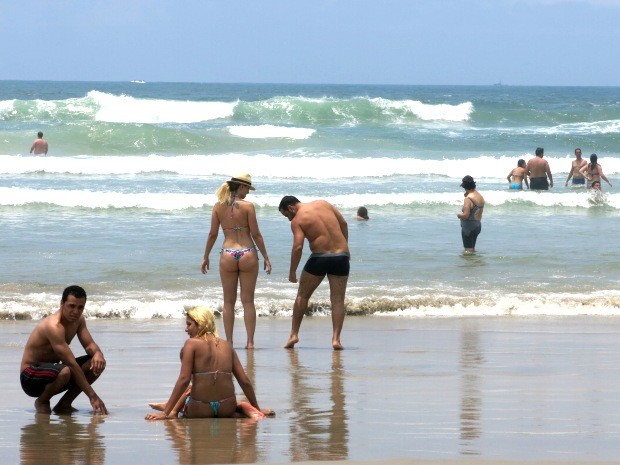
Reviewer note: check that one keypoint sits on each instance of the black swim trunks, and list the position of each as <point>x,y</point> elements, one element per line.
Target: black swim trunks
<point>320,264</point>
<point>539,184</point>
<point>35,377</point>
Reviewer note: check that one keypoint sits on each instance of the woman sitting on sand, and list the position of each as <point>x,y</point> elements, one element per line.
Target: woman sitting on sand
<point>210,364</point>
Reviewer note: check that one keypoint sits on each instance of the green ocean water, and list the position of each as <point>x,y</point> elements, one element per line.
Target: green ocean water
<point>121,203</point>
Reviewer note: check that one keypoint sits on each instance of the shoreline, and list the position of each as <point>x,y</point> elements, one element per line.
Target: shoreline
<point>436,391</point>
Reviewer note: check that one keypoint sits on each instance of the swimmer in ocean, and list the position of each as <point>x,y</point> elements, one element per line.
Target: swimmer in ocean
<point>517,176</point>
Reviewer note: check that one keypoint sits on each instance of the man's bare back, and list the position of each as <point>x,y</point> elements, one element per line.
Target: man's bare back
<point>328,235</point>
<point>537,168</point>
<point>39,146</point>
<point>321,225</point>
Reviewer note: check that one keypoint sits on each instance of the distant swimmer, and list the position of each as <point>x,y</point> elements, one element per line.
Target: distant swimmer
<point>362,214</point>
<point>593,171</point>
<point>597,197</point>
<point>39,146</point>
<point>471,214</point>
<point>538,171</point>
<point>578,178</point>
<point>517,176</point>
<point>328,235</point>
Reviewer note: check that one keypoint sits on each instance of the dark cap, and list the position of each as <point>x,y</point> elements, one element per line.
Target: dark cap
<point>468,183</point>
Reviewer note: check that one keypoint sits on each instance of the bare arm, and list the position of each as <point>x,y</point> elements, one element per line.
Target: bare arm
<point>298,246</point>
<point>244,381</point>
<point>466,209</point>
<point>600,173</point>
<point>570,174</point>
<point>181,386</point>
<point>56,337</point>
<point>583,171</point>
<point>344,227</point>
<point>97,363</point>
<point>211,238</point>
<point>549,175</point>
<point>258,237</point>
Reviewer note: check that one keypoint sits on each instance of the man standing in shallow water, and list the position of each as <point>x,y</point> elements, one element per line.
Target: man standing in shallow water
<point>575,167</point>
<point>538,171</point>
<point>39,146</point>
<point>328,235</point>
<point>48,365</point>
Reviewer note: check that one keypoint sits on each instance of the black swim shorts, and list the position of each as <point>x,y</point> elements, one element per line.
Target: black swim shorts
<point>35,377</point>
<point>320,264</point>
<point>539,184</point>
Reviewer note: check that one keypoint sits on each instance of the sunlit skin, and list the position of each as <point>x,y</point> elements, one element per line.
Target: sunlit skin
<point>238,222</point>
<point>49,343</point>
<point>326,231</point>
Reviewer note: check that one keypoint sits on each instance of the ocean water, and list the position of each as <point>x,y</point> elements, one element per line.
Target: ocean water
<point>121,204</point>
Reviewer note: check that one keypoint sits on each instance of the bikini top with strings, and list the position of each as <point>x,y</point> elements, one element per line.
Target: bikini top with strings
<point>235,227</point>
<point>214,373</point>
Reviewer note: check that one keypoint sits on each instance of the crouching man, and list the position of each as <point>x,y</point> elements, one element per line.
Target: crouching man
<point>49,367</point>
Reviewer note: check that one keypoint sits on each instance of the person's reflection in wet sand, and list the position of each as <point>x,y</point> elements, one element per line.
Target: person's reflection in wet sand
<point>63,440</point>
<point>214,440</point>
<point>318,431</point>
<point>471,400</point>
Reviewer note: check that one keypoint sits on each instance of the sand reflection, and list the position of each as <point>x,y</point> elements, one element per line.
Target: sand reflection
<point>213,440</point>
<point>471,397</point>
<point>62,439</point>
<point>318,427</point>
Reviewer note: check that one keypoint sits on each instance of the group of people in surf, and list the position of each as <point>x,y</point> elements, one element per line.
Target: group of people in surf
<point>536,173</point>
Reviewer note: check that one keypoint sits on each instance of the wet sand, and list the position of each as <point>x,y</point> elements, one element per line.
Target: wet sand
<point>403,390</point>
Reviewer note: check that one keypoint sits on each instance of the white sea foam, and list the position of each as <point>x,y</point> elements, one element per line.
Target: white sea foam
<point>167,305</point>
<point>267,131</point>
<point>125,109</point>
<point>297,164</point>
<point>16,196</point>
<point>427,112</point>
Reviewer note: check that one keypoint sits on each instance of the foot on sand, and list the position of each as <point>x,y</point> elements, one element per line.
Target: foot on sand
<point>291,342</point>
<point>42,407</point>
<point>158,406</point>
<point>64,409</point>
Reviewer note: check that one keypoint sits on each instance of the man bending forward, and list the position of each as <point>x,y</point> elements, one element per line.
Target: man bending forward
<point>328,235</point>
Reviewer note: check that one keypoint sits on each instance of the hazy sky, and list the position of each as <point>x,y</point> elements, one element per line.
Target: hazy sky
<point>521,42</point>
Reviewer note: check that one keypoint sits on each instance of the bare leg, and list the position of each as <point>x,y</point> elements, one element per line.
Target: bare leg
<point>42,404</point>
<point>337,289</point>
<point>307,285</point>
<point>248,274</point>
<point>65,404</point>
<point>229,274</point>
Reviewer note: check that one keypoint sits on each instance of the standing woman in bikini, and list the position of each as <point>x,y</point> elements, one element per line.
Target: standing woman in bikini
<point>238,256</point>
<point>593,171</point>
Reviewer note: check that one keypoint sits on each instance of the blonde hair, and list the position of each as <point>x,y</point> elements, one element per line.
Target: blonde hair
<point>205,320</point>
<point>226,192</point>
